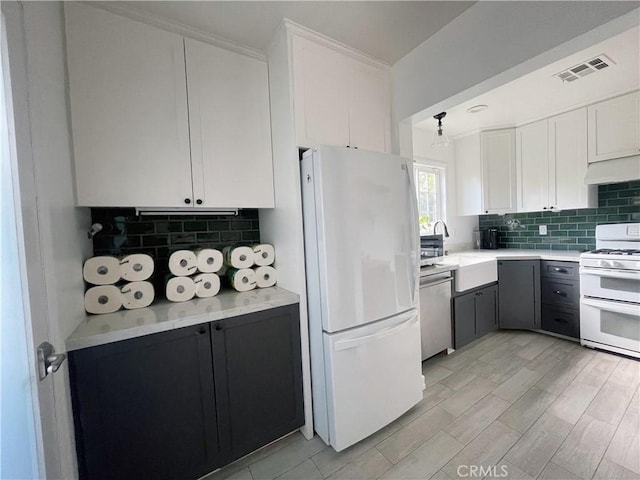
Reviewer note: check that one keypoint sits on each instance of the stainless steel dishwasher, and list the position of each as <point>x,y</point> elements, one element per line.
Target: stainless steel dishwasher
<point>435,313</point>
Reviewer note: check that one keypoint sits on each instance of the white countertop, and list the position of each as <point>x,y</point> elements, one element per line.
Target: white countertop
<point>518,254</point>
<point>163,316</point>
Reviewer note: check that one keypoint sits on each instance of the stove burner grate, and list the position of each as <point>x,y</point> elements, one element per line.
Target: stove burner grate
<point>612,251</point>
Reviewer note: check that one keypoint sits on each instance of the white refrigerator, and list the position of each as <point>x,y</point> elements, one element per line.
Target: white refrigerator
<point>362,264</point>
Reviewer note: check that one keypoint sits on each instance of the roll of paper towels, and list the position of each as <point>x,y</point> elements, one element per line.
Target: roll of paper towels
<point>242,279</point>
<point>238,257</point>
<point>137,295</point>
<point>207,284</point>
<point>209,260</point>
<point>180,289</point>
<point>264,254</point>
<point>136,267</point>
<point>265,277</point>
<point>102,270</point>
<point>102,299</point>
<point>183,263</point>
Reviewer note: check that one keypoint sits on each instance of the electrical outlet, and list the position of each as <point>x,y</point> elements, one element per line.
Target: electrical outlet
<point>542,229</point>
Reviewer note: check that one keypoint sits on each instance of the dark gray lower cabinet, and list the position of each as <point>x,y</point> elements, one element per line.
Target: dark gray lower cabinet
<point>519,294</point>
<point>561,298</point>
<point>474,314</point>
<point>258,378</point>
<point>179,404</point>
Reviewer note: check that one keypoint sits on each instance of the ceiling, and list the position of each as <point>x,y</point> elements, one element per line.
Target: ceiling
<point>385,30</point>
<point>540,94</point>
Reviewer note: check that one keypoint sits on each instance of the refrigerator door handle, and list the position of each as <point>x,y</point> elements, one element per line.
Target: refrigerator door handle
<point>356,342</point>
<point>415,230</point>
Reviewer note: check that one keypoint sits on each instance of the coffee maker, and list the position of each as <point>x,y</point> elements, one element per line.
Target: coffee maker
<point>489,238</point>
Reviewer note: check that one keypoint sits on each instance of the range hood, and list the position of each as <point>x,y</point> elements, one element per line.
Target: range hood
<point>613,171</point>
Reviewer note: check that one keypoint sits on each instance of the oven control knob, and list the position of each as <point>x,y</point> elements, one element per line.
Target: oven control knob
<point>604,263</point>
<point>617,264</point>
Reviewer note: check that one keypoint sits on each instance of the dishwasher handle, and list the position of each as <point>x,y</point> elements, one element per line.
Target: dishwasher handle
<point>430,281</point>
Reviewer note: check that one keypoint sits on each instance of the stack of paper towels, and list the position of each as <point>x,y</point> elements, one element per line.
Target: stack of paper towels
<point>118,282</point>
<point>250,267</point>
<point>195,274</point>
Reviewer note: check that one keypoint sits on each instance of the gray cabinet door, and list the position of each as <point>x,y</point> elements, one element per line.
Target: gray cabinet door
<point>519,294</point>
<point>464,319</point>
<point>486,310</point>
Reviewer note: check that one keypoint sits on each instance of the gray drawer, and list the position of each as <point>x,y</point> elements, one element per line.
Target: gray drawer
<point>561,320</point>
<point>555,269</point>
<point>557,292</point>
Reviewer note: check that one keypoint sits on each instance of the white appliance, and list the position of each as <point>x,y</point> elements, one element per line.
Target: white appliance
<point>362,256</point>
<point>610,290</point>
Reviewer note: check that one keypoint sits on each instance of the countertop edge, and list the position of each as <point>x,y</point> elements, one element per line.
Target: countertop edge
<point>79,339</point>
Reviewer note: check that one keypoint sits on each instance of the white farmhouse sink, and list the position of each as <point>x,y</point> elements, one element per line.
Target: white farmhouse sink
<point>472,271</point>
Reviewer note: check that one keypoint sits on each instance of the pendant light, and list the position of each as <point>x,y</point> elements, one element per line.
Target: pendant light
<point>440,139</point>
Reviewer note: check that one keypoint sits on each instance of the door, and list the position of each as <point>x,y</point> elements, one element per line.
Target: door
<point>28,430</point>
<point>464,311</point>
<point>128,99</point>
<point>568,162</point>
<point>365,234</point>
<point>435,315</point>
<point>229,127</point>
<point>519,294</point>
<point>486,310</point>
<point>532,152</point>
<point>499,170</point>
<point>321,94</point>
<point>146,407</point>
<point>373,377</point>
<point>258,377</point>
<point>611,323</point>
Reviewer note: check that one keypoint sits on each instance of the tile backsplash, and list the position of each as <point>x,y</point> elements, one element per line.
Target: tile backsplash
<point>125,232</point>
<point>568,229</point>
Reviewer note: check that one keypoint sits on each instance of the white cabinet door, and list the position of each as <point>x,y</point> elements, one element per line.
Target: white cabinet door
<point>614,128</point>
<point>321,94</point>
<point>369,108</point>
<point>128,101</point>
<point>469,175</point>
<point>532,165</point>
<point>229,127</point>
<point>499,170</point>
<point>568,162</point>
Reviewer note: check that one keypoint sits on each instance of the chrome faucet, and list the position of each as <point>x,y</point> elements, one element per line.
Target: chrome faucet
<point>446,230</point>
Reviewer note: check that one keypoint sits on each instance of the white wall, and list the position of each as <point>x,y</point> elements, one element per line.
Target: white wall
<point>61,227</point>
<point>460,228</point>
<point>492,43</point>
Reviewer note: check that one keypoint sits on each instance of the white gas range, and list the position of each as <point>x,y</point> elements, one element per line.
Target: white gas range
<point>610,290</point>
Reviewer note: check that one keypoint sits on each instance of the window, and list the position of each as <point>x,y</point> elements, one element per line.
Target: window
<point>430,192</point>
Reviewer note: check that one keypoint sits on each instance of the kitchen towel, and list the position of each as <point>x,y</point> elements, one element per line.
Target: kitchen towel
<point>207,284</point>
<point>180,289</point>
<point>209,260</point>
<point>264,254</point>
<point>103,270</point>
<point>243,279</point>
<point>238,257</point>
<point>183,263</point>
<point>136,267</point>
<point>265,276</point>
<point>137,295</point>
<point>102,299</point>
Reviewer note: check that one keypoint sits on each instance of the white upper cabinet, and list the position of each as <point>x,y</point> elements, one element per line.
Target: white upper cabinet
<point>499,170</point>
<point>152,128</point>
<point>568,162</point>
<point>552,163</point>
<point>614,128</point>
<point>128,101</point>
<point>532,166</point>
<point>469,175</point>
<point>230,128</point>
<point>339,100</point>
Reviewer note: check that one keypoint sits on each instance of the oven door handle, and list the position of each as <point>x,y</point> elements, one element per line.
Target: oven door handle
<point>602,272</point>
<point>616,307</point>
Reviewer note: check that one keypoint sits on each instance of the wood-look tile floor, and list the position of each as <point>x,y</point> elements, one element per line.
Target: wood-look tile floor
<point>515,405</point>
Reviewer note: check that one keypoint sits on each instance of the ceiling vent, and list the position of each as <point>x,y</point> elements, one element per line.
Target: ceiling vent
<point>586,68</point>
